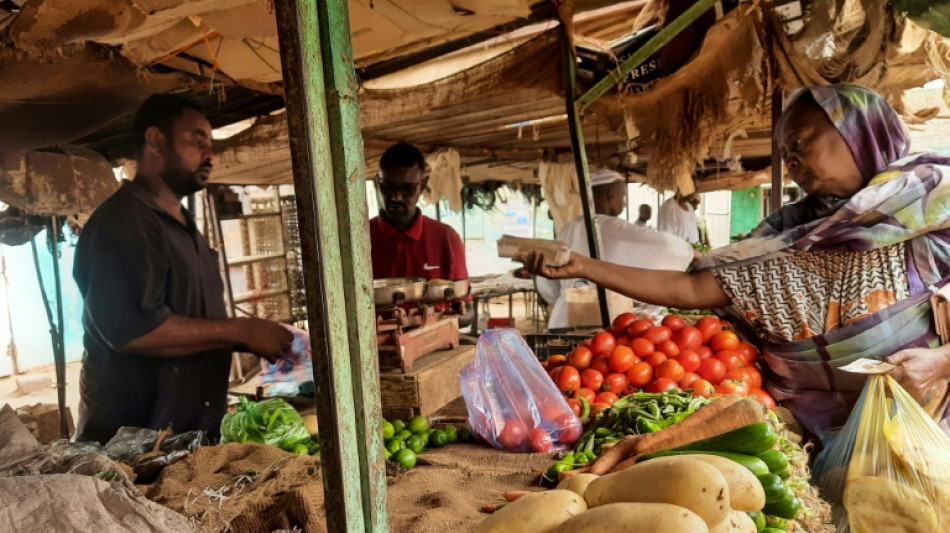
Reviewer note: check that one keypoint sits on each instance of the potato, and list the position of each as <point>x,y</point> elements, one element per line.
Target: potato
<point>678,480</point>
<point>538,512</point>
<point>745,491</point>
<point>577,484</point>
<point>311,422</point>
<point>882,505</point>
<point>635,518</point>
<point>736,522</point>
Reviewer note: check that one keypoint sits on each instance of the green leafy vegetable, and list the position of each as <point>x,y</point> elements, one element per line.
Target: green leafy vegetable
<point>272,421</point>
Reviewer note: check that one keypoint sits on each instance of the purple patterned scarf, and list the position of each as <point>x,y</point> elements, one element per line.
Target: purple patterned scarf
<point>905,199</point>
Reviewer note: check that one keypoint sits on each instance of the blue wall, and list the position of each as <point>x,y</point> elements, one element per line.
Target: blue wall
<point>22,298</point>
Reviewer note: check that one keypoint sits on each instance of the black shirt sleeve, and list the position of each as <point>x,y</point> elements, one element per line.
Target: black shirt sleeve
<point>122,271</point>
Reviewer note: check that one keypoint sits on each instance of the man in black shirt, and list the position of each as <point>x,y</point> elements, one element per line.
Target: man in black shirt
<point>157,337</point>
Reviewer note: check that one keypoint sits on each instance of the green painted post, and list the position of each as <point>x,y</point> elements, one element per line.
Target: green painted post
<point>349,171</point>
<point>576,128</point>
<point>649,48</point>
<point>313,166</point>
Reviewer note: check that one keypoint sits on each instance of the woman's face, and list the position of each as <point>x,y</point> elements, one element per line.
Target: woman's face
<point>816,156</point>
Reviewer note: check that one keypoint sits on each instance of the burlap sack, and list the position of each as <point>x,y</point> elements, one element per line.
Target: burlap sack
<point>244,488</point>
<point>51,488</point>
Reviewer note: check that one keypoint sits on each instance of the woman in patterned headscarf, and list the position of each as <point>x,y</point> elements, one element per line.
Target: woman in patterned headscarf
<point>845,273</point>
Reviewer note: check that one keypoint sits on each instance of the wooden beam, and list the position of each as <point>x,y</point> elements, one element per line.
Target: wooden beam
<point>574,121</point>
<point>664,36</point>
<point>349,175</point>
<point>314,58</point>
<point>777,169</point>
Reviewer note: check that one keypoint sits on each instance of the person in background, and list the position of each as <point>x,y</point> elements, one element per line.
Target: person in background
<point>157,337</point>
<point>404,242</point>
<point>678,216</point>
<point>646,213</point>
<point>621,242</point>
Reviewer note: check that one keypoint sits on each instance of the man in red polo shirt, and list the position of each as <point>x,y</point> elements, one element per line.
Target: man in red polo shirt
<point>406,243</point>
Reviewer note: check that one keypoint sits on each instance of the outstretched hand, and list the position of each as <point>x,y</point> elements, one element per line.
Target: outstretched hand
<point>920,371</point>
<point>535,263</point>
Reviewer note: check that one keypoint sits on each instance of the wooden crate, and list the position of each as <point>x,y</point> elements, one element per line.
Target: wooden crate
<point>432,384</point>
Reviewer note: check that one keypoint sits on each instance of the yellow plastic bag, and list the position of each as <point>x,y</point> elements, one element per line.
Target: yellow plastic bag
<point>889,466</point>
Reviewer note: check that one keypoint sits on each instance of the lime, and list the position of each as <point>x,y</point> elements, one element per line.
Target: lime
<point>439,438</point>
<point>426,437</point>
<point>388,430</point>
<point>418,424</point>
<point>415,443</point>
<point>406,458</point>
<point>387,454</point>
<point>398,425</point>
<point>452,432</point>
<point>403,435</point>
<point>393,445</point>
<point>465,435</point>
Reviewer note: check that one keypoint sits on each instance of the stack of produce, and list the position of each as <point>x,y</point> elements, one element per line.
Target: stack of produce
<point>272,421</point>
<point>720,468</point>
<point>635,355</point>
<point>405,440</point>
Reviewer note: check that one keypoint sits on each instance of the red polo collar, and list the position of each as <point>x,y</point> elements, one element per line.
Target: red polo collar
<point>414,232</point>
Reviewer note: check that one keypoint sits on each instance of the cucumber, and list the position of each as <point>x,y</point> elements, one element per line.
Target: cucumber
<point>773,530</point>
<point>754,464</point>
<point>752,439</point>
<point>759,520</point>
<point>786,507</point>
<point>774,489</point>
<point>775,459</point>
<point>784,474</point>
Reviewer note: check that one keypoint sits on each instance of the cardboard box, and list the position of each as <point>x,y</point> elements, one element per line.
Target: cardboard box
<point>42,420</point>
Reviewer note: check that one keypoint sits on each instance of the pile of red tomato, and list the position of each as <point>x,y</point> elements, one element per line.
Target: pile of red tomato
<point>637,354</point>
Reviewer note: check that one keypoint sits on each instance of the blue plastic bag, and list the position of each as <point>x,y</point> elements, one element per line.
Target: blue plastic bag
<point>294,366</point>
<point>512,403</point>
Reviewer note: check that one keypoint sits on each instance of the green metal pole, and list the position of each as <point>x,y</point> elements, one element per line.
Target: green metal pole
<point>345,472</point>
<point>664,36</point>
<point>349,170</point>
<point>576,129</point>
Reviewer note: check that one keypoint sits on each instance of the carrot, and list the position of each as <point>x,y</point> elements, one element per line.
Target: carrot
<point>491,508</point>
<point>513,495</point>
<point>571,473</point>
<point>625,464</point>
<point>740,413</point>
<point>695,423</point>
<point>614,455</point>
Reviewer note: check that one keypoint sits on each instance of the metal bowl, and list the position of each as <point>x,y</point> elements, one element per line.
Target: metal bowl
<point>445,290</point>
<point>393,291</point>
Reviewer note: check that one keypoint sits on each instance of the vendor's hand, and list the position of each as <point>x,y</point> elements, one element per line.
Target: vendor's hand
<point>534,263</point>
<point>920,370</point>
<point>265,338</point>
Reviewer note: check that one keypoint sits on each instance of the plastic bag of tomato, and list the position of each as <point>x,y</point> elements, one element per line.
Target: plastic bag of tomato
<point>637,354</point>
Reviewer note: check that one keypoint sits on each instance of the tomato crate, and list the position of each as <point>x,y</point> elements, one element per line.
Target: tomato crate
<point>545,345</point>
<point>430,385</point>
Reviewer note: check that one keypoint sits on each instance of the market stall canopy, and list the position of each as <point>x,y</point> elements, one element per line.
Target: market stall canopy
<point>496,104</point>
<point>67,180</point>
<point>72,68</point>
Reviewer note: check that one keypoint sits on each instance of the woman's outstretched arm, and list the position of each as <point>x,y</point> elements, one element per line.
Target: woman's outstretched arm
<point>682,290</point>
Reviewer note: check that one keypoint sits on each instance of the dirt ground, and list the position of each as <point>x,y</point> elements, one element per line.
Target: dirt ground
<point>246,488</point>
<point>447,489</point>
